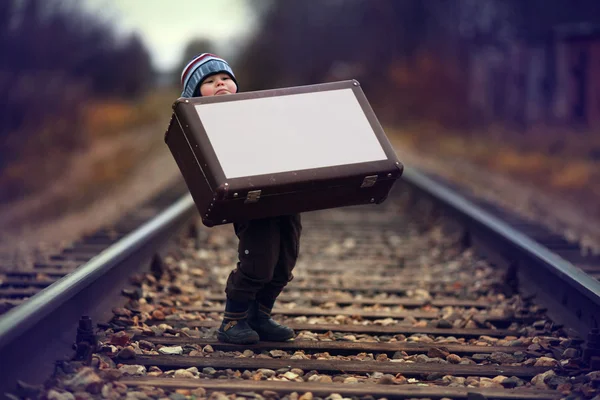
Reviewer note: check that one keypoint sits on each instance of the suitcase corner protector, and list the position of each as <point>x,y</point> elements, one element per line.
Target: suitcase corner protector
<point>178,101</point>
<point>221,191</point>
<point>400,167</point>
<point>208,222</point>
<point>381,200</point>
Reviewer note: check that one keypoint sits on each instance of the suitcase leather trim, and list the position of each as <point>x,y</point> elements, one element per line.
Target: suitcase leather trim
<point>222,200</point>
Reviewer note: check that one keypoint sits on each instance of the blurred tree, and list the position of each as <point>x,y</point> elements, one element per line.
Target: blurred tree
<point>193,48</point>
<point>133,62</point>
<point>55,58</point>
<point>299,43</point>
<point>415,59</point>
<point>512,45</point>
<point>392,47</point>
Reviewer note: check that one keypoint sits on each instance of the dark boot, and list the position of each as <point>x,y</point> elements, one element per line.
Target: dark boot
<point>235,328</point>
<point>259,319</point>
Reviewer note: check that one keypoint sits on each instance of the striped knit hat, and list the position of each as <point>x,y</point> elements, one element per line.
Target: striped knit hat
<point>198,69</point>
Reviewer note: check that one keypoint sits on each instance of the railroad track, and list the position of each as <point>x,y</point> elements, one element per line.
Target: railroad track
<point>393,301</point>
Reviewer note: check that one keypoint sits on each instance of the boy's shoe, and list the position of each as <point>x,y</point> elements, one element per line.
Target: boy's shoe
<point>259,319</point>
<point>235,329</point>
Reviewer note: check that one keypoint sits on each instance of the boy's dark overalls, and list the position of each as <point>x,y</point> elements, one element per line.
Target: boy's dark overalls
<point>268,248</point>
<point>267,251</point>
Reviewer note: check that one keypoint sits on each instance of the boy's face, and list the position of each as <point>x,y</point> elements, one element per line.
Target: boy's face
<point>218,84</point>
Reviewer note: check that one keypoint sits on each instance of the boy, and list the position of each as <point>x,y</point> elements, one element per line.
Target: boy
<point>268,248</point>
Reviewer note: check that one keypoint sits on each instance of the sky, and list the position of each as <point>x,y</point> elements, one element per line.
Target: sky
<point>167,26</point>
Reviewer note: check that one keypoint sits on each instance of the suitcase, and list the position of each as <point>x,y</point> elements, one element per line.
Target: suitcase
<point>277,152</point>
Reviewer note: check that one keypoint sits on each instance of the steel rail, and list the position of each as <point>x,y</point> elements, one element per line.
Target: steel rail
<point>18,320</point>
<point>46,307</point>
<point>580,306</point>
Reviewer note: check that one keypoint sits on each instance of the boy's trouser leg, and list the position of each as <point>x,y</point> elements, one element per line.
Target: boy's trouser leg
<point>290,229</point>
<point>258,252</point>
<point>259,317</point>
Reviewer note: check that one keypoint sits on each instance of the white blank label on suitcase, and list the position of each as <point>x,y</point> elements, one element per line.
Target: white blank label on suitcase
<point>289,133</point>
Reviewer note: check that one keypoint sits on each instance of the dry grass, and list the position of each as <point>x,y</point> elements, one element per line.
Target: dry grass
<point>113,117</point>
<point>566,163</point>
<point>576,175</point>
<point>120,136</point>
<point>115,130</point>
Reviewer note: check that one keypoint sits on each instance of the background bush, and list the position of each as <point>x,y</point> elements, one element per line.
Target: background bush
<point>56,59</point>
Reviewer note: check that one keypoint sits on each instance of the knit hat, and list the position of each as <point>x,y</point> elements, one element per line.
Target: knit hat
<point>198,69</point>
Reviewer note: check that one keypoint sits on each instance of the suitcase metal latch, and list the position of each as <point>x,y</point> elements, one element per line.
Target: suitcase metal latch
<point>252,196</point>
<point>369,181</point>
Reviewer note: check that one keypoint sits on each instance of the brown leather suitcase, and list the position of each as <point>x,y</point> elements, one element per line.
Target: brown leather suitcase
<point>283,151</point>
